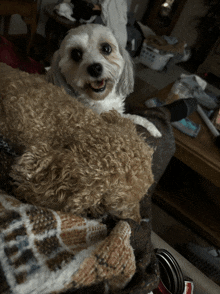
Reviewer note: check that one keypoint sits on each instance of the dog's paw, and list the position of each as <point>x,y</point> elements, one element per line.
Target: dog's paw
<point>144,123</point>
<point>151,128</point>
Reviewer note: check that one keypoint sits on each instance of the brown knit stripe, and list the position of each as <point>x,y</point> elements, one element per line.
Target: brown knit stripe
<point>24,258</point>
<point>21,277</point>
<point>75,237</point>
<point>78,248</point>
<point>120,260</point>
<point>115,252</point>
<point>4,287</point>
<point>114,256</point>
<point>17,232</point>
<point>14,202</point>
<point>42,220</point>
<point>97,235</point>
<point>48,245</point>
<point>59,260</point>
<point>87,274</point>
<point>69,221</point>
<point>11,251</point>
<point>1,207</point>
<point>115,246</point>
<point>7,217</point>
<point>126,268</point>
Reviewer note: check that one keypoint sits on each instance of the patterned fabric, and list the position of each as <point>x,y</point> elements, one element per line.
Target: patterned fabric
<point>43,251</point>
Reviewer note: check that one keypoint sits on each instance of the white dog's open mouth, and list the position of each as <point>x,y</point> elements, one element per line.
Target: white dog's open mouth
<point>98,86</point>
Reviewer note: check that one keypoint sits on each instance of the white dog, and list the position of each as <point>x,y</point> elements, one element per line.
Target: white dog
<point>92,67</point>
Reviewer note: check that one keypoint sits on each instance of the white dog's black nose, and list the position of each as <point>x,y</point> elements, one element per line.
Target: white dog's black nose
<point>95,70</point>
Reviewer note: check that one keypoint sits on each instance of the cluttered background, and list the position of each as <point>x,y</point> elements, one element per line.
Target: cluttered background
<point>170,42</point>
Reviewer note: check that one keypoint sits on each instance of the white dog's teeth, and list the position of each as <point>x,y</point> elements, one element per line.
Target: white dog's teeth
<point>98,85</point>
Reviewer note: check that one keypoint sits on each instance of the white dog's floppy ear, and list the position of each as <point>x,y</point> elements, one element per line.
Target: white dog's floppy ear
<point>125,85</point>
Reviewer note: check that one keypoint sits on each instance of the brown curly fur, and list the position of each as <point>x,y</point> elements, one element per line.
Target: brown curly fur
<point>75,160</point>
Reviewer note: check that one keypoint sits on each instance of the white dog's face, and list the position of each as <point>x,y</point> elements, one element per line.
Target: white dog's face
<point>91,60</point>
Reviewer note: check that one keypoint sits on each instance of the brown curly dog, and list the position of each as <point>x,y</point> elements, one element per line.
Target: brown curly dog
<point>74,159</point>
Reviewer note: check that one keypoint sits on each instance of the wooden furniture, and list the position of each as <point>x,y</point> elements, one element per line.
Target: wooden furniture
<point>160,24</point>
<point>197,210</point>
<point>212,61</point>
<point>200,154</point>
<point>28,11</point>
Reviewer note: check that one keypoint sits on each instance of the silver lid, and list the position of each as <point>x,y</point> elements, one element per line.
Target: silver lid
<point>170,272</point>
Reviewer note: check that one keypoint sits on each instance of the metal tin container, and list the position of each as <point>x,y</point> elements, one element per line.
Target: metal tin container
<point>170,272</point>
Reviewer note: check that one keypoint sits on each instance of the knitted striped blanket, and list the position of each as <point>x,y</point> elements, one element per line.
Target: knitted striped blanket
<point>43,251</point>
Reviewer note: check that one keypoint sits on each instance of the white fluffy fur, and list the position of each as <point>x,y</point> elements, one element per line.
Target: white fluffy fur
<point>65,10</point>
<point>117,71</point>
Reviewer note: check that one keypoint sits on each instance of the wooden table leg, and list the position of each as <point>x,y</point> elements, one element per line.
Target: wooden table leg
<point>7,19</point>
<point>32,28</point>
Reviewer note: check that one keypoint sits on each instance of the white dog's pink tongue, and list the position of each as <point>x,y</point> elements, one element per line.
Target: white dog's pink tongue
<point>98,85</point>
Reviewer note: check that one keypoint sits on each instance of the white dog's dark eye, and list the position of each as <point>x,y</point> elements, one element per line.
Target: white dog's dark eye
<point>76,54</point>
<point>106,48</point>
